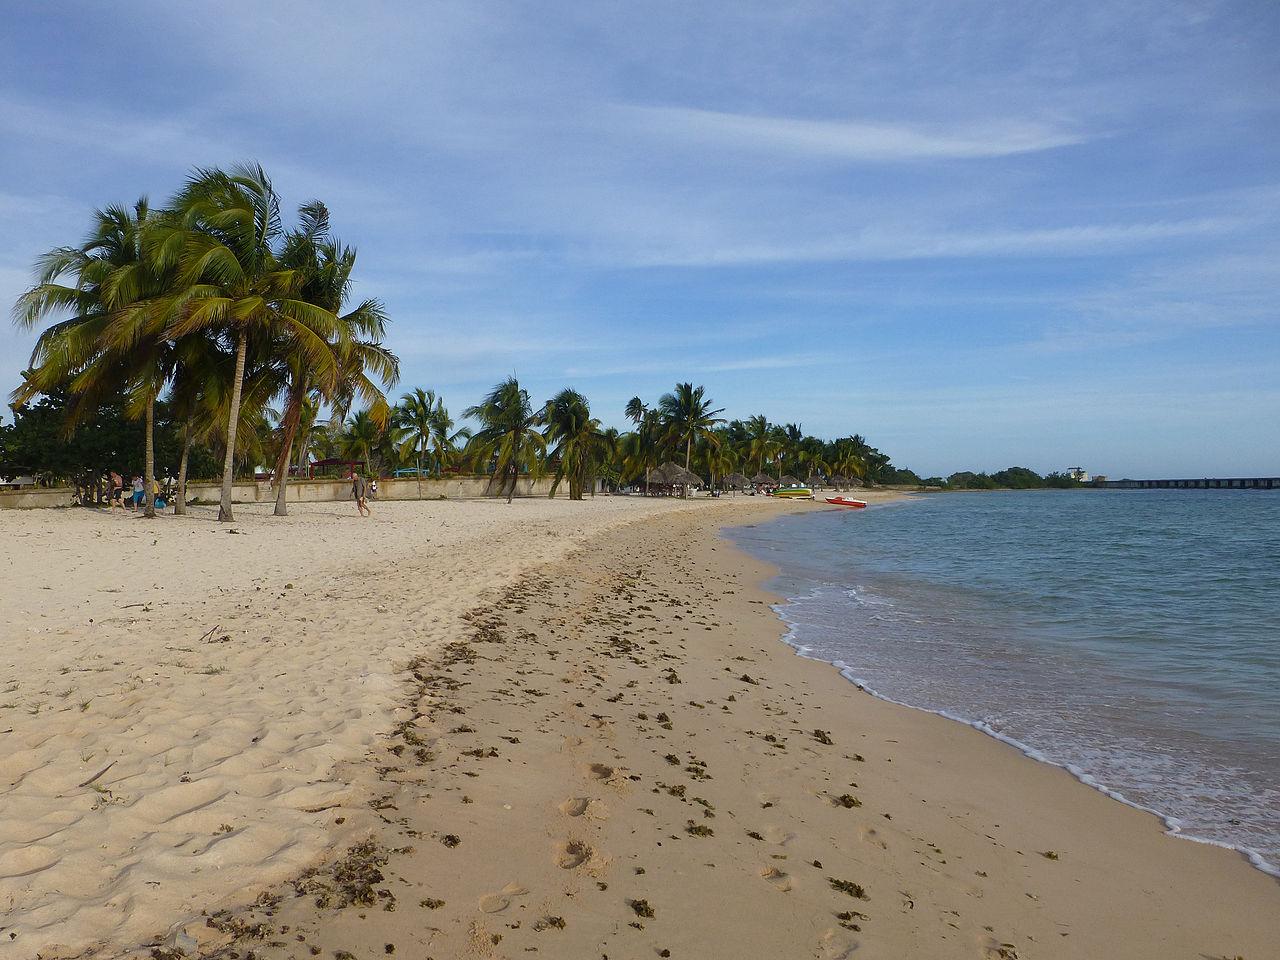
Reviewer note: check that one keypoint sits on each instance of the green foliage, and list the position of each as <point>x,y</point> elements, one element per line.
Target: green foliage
<point>38,443</point>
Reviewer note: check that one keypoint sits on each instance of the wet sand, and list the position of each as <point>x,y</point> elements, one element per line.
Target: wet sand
<point>616,757</point>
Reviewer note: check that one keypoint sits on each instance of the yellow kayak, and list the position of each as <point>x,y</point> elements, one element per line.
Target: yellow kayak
<point>794,493</point>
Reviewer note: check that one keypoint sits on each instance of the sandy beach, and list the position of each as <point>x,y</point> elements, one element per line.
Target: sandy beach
<point>473,730</point>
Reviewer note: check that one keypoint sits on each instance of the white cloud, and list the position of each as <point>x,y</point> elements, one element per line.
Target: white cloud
<point>854,140</point>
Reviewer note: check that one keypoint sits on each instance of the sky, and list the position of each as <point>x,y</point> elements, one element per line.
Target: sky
<point>979,234</point>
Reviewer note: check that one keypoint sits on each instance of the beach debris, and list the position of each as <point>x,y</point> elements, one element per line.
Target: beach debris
<point>352,881</point>
<point>546,923</point>
<point>97,775</point>
<point>642,908</point>
<point>450,840</point>
<point>746,678</point>
<point>431,903</point>
<point>823,737</point>
<point>848,919</point>
<point>847,800</point>
<point>849,888</point>
<point>698,829</point>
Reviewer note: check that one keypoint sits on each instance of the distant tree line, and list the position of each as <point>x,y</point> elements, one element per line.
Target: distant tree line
<point>209,336</point>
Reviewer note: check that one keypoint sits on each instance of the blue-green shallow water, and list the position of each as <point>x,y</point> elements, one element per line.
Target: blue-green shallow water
<point>1130,636</point>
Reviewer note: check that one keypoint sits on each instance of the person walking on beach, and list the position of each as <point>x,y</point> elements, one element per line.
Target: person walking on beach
<point>116,489</point>
<point>360,490</point>
<point>139,492</point>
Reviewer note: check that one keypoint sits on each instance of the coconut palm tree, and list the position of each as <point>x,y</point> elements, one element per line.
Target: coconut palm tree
<point>114,337</point>
<point>579,445</point>
<point>507,437</point>
<point>416,416</point>
<point>688,417</point>
<point>325,266</point>
<point>361,438</point>
<point>223,240</point>
<point>760,442</point>
<point>635,411</point>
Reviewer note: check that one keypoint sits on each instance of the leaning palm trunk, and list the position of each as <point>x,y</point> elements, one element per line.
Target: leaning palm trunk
<point>149,462</point>
<point>292,416</point>
<point>180,505</point>
<point>233,421</point>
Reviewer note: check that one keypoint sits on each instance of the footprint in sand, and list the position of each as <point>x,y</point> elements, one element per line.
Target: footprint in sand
<point>837,945</point>
<point>572,853</point>
<point>600,771</point>
<point>779,836</point>
<point>869,835</point>
<point>497,902</point>
<point>574,806</point>
<point>777,878</point>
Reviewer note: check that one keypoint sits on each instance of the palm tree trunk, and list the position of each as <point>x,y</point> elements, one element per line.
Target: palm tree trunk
<point>292,416</point>
<point>511,488</point>
<point>282,479</point>
<point>149,461</point>
<point>180,505</point>
<point>688,454</point>
<point>233,422</point>
<point>419,462</point>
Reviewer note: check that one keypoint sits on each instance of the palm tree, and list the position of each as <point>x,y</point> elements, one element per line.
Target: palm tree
<point>760,440</point>
<point>688,417</point>
<point>361,438</point>
<point>580,445</point>
<point>507,436</point>
<point>416,415</point>
<point>635,411</point>
<point>222,240</point>
<point>114,338</point>
<point>325,266</point>
<point>444,439</point>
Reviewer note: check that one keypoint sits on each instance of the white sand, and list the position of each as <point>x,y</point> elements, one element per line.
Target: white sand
<point>216,684</point>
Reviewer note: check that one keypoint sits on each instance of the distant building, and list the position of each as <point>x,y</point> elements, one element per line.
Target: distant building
<point>1078,474</point>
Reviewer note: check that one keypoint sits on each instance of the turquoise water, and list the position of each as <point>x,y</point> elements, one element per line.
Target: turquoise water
<point>1130,636</point>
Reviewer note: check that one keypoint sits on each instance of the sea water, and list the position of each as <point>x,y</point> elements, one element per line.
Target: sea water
<point>1132,637</point>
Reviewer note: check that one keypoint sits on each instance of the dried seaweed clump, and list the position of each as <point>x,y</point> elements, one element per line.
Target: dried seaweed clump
<point>855,890</point>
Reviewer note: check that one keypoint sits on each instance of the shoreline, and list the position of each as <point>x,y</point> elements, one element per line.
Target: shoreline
<point>547,850</point>
<point>1170,823</point>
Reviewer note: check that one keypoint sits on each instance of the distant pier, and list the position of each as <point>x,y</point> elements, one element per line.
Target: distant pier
<point>1207,483</point>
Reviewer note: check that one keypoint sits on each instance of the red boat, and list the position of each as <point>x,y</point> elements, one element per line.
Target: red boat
<point>847,502</point>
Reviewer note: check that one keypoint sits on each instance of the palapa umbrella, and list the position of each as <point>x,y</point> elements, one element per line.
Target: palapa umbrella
<point>683,477</point>
<point>787,480</point>
<point>815,480</point>
<point>764,480</point>
<point>735,481</point>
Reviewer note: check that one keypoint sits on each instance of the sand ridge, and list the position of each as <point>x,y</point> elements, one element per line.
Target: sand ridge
<point>185,704</point>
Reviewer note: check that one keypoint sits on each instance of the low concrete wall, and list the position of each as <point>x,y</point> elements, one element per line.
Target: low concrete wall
<point>30,498</point>
<point>303,491</point>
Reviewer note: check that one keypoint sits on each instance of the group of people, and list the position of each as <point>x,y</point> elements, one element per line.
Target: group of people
<point>114,484</point>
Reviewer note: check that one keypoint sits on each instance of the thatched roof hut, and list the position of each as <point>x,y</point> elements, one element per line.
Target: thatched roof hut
<point>764,480</point>
<point>672,475</point>
<point>816,480</point>
<point>684,477</point>
<point>787,480</point>
<point>661,474</point>
<point>735,481</point>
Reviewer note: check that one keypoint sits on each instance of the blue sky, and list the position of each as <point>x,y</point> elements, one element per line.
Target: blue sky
<point>980,234</point>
